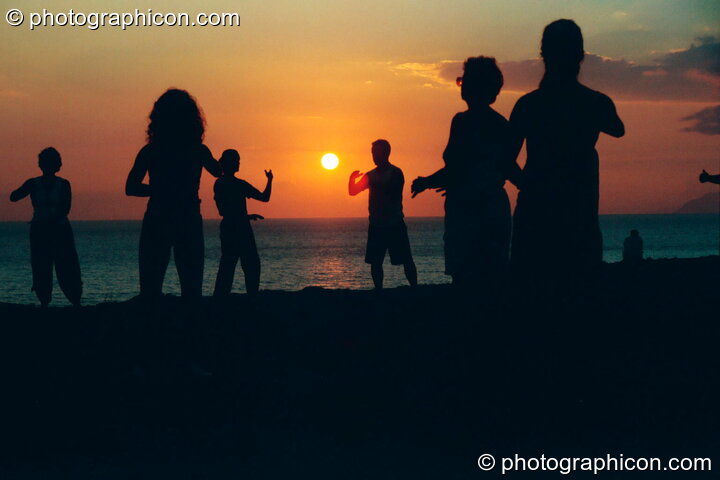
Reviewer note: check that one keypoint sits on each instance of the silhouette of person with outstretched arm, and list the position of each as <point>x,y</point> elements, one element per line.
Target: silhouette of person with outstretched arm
<point>173,160</point>
<point>705,177</point>
<point>51,237</point>
<point>477,163</point>
<point>237,240</point>
<point>556,229</point>
<point>387,231</point>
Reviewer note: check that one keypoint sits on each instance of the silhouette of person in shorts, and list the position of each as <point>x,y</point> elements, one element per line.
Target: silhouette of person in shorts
<point>387,231</point>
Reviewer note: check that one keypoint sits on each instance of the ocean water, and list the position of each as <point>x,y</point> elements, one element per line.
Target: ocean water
<point>297,253</point>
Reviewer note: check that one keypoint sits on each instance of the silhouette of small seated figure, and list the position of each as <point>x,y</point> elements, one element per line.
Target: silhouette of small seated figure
<point>237,240</point>
<point>51,237</point>
<point>633,248</point>
<point>705,177</point>
<point>477,163</point>
<point>387,231</point>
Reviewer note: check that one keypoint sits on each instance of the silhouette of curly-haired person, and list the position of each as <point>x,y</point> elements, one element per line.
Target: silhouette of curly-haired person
<point>705,177</point>
<point>387,231</point>
<point>237,241</point>
<point>477,163</point>
<point>556,229</point>
<point>633,248</point>
<point>51,237</point>
<point>173,160</point>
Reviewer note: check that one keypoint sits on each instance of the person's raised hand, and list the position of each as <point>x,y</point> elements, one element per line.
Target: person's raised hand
<point>441,191</point>
<point>418,186</point>
<point>355,175</point>
<point>704,176</point>
<point>269,174</point>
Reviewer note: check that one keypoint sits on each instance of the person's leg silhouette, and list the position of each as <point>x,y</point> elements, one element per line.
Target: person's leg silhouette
<point>67,264</point>
<point>251,268</point>
<point>189,249</point>
<point>41,259</point>
<point>226,274</point>
<point>376,271</point>
<point>249,259</point>
<point>155,245</point>
<point>229,255</point>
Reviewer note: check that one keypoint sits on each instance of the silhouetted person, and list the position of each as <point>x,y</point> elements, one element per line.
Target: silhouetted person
<point>51,237</point>
<point>556,229</point>
<point>705,177</point>
<point>633,248</point>
<point>237,240</point>
<point>387,231</point>
<point>477,163</point>
<point>173,159</point>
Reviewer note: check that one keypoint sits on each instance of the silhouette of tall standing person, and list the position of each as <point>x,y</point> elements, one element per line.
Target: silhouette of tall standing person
<point>173,160</point>
<point>556,227</point>
<point>51,237</point>
<point>237,240</point>
<point>387,231</point>
<point>477,163</point>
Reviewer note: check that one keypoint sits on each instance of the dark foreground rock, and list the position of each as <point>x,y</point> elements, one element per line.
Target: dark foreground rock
<point>405,383</point>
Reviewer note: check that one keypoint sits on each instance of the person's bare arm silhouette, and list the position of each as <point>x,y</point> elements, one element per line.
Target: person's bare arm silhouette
<point>705,177</point>
<point>265,195</point>
<point>66,202</point>
<point>356,186</point>
<point>134,186</point>
<point>611,124</point>
<point>21,192</point>
<point>211,165</point>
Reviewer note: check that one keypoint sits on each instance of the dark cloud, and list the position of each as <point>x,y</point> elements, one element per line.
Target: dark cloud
<point>706,121</point>
<point>692,74</point>
<point>704,57</point>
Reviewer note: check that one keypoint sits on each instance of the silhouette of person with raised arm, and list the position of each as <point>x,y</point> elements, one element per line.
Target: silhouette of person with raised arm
<point>387,231</point>
<point>173,160</point>
<point>633,248</point>
<point>556,229</point>
<point>51,237</point>
<point>477,163</point>
<point>705,177</point>
<point>237,240</point>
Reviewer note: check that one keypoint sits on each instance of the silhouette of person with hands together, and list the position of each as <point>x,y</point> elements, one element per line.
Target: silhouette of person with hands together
<point>237,240</point>
<point>51,237</point>
<point>173,160</point>
<point>705,177</point>
<point>387,231</point>
<point>556,229</point>
<point>477,163</point>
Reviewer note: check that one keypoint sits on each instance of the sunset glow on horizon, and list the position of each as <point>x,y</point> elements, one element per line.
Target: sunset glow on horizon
<point>88,93</point>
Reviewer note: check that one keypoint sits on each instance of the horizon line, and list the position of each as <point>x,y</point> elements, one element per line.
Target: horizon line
<point>342,218</point>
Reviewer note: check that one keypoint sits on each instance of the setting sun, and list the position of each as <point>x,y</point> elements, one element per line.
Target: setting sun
<point>330,161</point>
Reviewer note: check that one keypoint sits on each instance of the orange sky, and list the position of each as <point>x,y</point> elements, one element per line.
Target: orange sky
<point>298,79</point>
